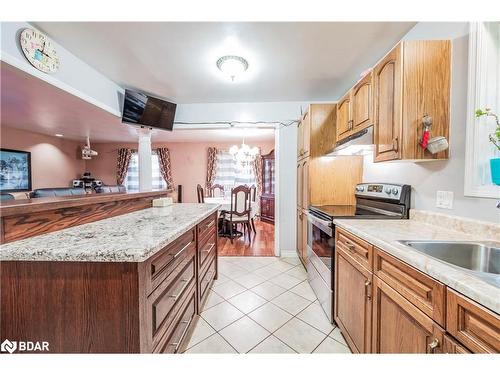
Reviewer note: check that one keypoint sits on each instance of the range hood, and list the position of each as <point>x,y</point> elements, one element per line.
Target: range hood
<point>360,143</point>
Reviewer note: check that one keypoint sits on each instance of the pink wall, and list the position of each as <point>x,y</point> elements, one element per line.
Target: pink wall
<point>54,161</point>
<point>189,162</point>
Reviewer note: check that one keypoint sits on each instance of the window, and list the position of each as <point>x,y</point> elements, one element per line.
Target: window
<point>483,91</point>
<point>132,179</point>
<point>229,174</point>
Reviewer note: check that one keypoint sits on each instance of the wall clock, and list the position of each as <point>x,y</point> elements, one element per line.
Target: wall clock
<point>39,50</point>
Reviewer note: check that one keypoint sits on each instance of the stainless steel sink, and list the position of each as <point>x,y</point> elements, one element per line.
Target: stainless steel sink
<point>480,258</point>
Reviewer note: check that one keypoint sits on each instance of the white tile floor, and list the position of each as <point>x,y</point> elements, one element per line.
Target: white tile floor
<point>263,305</point>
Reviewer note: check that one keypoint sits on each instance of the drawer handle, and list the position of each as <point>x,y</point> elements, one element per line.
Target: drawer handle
<point>434,344</point>
<point>153,267</point>
<point>175,296</point>
<point>181,250</point>
<point>350,246</point>
<point>209,249</point>
<point>176,344</point>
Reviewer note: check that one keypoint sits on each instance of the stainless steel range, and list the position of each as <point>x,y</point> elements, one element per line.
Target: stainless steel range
<point>373,201</point>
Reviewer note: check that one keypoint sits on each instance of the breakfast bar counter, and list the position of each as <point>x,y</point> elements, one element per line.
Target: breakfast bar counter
<point>132,283</point>
<point>132,237</point>
<point>24,218</point>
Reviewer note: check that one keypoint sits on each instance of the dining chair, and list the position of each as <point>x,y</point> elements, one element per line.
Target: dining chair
<point>200,193</point>
<point>240,211</point>
<point>253,213</point>
<point>217,191</point>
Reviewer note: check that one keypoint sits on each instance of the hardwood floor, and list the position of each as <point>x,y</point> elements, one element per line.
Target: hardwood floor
<point>262,243</point>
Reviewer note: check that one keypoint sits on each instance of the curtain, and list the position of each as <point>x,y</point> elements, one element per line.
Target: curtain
<point>229,174</point>
<point>165,166</point>
<point>257,170</point>
<point>124,155</point>
<point>211,167</point>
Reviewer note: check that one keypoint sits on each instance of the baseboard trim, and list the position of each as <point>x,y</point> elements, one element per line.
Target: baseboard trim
<point>288,254</point>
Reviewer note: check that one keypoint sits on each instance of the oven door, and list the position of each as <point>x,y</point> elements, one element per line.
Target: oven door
<point>321,241</point>
<point>320,251</point>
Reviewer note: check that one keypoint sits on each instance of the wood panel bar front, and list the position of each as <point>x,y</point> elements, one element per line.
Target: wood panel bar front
<point>31,217</point>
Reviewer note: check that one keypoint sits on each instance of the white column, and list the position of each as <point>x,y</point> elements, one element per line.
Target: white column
<point>144,151</point>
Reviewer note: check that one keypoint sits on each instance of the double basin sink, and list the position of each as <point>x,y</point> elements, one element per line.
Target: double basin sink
<point>481,259</point>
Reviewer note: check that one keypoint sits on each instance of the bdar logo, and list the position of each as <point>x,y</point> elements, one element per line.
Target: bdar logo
<point>8,346</point>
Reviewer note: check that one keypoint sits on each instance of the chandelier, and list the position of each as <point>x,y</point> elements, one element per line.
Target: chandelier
<point>244,155</point>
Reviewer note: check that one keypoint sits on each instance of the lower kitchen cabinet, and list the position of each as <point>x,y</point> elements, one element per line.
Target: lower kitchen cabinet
<point>398,309</point>
<point>353,301</point>
<point>471,324</point>
<point>451,346</point>
<point>399,326</point>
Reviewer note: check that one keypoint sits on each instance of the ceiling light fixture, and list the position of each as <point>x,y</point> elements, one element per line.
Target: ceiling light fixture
<point>244,155</point>
<point>232,65</point>
<point>59,135</point>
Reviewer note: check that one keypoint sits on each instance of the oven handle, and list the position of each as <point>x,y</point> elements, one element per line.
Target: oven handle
<point>325,226</point>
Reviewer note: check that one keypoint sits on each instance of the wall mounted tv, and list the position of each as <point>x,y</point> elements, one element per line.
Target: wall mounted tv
<point>15,170</point>
<point>144,110</point>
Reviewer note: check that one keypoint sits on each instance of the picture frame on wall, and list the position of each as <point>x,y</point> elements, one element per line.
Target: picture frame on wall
<point>15,170</point>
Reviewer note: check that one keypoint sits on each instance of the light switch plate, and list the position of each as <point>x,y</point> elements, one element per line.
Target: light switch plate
<point>444,199</point>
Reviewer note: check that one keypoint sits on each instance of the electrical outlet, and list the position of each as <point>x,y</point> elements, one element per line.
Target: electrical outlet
<point>444,199</point>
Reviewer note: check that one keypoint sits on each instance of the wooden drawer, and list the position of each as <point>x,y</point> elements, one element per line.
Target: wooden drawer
<point>164,303</point>
<point>208,224</point>
<point>168,259</point>
<point>207,250</point>
<point>423,291</point>
<point>175,336</point>
<point>205,282</point>
<point>472,324</point>
<point>360,250</point>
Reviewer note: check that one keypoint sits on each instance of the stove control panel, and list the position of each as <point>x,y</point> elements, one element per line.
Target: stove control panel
<point>387,191</point>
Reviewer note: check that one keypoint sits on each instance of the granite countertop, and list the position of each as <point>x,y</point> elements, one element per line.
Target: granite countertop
<point>385,233</point>
<point>132,237</point>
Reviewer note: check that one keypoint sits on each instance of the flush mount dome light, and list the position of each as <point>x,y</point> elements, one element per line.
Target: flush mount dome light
<point>232,65</point>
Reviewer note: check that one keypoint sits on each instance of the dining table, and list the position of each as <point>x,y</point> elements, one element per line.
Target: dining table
<point>225,205</point>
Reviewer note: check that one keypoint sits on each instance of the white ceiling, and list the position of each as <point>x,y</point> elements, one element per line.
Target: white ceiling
<point>31,104</point>
<point>175,60</point>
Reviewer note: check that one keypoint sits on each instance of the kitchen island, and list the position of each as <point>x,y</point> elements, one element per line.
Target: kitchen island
<point>133,283</point>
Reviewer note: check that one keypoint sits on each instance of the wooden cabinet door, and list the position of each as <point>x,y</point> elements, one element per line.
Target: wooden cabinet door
<point>304,237</point>
<point>387,82</point>
<point>400,327</point>
<point>353,305</point>
<point>305,184</point>
<point>300,140</point>
<point>362,103</point>
<point>344,116</point>
<point>300,183</point>
<point>451,346</point>
<point>300,219</point>
<point>306,134</point>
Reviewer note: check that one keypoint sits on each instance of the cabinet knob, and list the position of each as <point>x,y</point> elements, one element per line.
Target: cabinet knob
<point>434,344</point>
<point>395,144</point>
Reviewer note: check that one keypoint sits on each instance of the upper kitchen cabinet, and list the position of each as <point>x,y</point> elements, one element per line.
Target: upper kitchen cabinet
<point>410,83</point>
<point>355,109</point>
<point>316,130</point>
<point>344,117</point>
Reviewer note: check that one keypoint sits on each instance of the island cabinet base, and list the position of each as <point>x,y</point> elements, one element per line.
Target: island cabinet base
<point>111,307</point>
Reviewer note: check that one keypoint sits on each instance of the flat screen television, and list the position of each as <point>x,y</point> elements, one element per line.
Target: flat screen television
<point>148,111</point>
<point>15,170</point>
